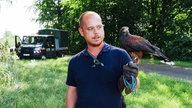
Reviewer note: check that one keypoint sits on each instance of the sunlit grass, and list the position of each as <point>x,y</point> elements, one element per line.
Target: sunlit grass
<point>161,92</point>
<point>41,84</point>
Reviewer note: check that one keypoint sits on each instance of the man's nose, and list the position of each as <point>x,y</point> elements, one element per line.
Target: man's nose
<point>96,29</point>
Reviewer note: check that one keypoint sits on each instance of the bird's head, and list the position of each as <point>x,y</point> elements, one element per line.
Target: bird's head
<point>124,31</point>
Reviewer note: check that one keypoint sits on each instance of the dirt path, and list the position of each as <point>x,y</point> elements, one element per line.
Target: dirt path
<point>173,71</point>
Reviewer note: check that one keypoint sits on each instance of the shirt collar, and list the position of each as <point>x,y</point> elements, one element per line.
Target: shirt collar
<point>105,48</point>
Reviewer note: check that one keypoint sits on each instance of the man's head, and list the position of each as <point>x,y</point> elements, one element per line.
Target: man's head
<point>91,28</point>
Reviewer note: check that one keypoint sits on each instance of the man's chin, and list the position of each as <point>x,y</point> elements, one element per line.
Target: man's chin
<point>96,44</point>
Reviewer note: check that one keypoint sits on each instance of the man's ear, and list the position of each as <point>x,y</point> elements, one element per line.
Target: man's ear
<point>81,31</point>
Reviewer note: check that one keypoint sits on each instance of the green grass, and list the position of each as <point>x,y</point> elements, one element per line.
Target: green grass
<point>41,84</point>
<point>161,92</point>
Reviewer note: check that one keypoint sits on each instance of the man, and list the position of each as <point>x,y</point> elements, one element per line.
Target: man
<point>93,73</point>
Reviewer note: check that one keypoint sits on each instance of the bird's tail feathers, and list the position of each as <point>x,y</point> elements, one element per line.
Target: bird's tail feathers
<point>161,56</point>
<point>164,59</point>
<point>168,63</point>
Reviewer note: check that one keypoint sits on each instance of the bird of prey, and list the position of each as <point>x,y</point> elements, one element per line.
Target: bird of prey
<point>137,45</point>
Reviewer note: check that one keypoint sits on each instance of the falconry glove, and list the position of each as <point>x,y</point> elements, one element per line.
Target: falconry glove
<point>130,69</point>
<point>130,73</point>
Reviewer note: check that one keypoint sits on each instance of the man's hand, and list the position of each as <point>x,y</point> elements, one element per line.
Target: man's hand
<point>130,69</point>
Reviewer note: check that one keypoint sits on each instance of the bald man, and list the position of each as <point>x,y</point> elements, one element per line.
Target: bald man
<point>94,72</point>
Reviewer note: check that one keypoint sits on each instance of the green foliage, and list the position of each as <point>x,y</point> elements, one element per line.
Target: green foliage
<point>5,55</point>
<point>160,21</point>
<point>50,13</point>
<point>182,47</point>
<point>8,38</point>
<point>8,73</point>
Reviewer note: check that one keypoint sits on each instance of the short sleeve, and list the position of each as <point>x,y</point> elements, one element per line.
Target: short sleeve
<point>125,57</point>
<point>70,75</point>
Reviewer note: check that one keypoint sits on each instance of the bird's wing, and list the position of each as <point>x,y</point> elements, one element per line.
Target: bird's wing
<point>138,43</point>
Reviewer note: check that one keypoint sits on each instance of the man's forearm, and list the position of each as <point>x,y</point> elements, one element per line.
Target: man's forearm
<point>71,97</point>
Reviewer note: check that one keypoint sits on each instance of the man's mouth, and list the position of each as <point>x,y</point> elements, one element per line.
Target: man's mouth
<point>96,38</point>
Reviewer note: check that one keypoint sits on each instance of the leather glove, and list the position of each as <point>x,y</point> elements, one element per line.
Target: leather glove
<point>130,69</point>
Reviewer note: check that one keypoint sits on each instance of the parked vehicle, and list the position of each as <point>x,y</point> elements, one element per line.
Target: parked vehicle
<point>49,43</point>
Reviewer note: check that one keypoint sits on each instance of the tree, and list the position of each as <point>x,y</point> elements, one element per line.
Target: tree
<point>8,38</point>
<point>50,13</point>
<point>169,21</point>
<point>160,21</point>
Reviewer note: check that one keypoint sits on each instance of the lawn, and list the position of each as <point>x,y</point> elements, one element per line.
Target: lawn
<point>41,84</point>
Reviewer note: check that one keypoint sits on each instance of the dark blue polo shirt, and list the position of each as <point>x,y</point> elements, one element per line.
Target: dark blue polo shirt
<point>97,84</point>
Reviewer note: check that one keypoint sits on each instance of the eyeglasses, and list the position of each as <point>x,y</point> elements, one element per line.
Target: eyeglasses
<point>98,27</point>
<point>95,60</point>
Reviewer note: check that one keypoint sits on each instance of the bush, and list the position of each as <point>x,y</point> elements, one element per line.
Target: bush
<point>180,49</point>
<point>8,70</point>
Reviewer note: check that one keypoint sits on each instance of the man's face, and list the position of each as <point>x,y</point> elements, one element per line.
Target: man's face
<point>92,30</point>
